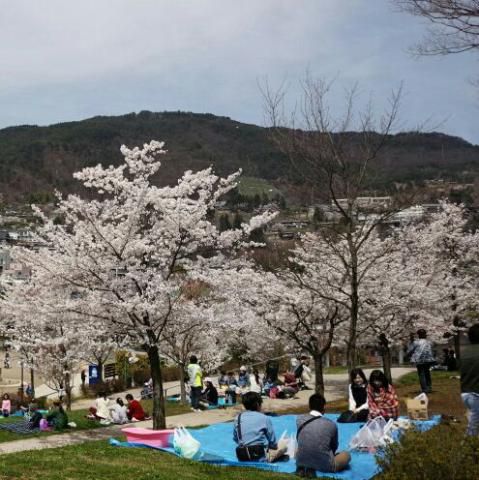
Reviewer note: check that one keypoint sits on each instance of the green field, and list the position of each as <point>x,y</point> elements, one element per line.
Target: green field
<point>251,186</point>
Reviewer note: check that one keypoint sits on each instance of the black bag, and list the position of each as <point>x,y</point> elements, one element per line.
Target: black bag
<point>346,417</point>
<point>248,453</point>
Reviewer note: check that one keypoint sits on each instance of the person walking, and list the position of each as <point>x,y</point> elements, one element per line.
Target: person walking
<point>195,382</point>
<point>421,354</point>
<point>469,368</point>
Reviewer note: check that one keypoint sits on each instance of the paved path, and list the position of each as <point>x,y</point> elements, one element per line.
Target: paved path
<point>336,388</point>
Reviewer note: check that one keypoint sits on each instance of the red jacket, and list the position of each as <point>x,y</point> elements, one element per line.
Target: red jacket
<point>135,410</point>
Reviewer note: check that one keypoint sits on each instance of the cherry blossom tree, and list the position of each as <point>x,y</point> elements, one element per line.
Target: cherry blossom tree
<point>131,249</point>
<point>446,259</point>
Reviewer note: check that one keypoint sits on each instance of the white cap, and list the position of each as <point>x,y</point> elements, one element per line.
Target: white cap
<point>243,368</point>
<point>208,379</point>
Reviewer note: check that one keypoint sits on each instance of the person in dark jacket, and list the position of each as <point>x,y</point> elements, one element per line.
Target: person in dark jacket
<point>317,438</point>
<point>209,396</point>
<point>421,354</point>
<point>358,398</point>
<point>470,379</point>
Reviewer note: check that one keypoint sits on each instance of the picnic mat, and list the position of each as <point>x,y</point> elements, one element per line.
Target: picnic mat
<point>219,448</point>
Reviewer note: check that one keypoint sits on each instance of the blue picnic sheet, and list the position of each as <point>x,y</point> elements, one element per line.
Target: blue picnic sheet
<point>218,447</point>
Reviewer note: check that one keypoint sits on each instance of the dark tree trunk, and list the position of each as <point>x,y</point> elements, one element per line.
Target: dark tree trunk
<point>318,374</point>
<point>159,415</point>
<point>386,356</point>
<point>68,391</point>
<point>354,309</point>
<point>32,381</point>
<point>100,370</point>
<point>183,398</point>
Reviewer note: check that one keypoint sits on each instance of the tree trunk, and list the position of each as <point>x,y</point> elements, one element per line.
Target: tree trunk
<point>386,355</point>
<point>32,381</point>
<point>183,398</point>
<point>159,416</point>
<point>68,390</point>
<point>354,309</point>
<point>457,346</point>
<point>100,371</point>
<point>318,374</point>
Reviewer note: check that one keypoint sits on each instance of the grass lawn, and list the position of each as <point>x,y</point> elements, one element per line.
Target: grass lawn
<point>83,423</point>
<point>99,461</point>
<point>251,186</point>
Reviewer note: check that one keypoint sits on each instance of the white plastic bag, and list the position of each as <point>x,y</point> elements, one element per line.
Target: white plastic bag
<point>375,433</point>
<point>184,444</point>
<point>292,446</point>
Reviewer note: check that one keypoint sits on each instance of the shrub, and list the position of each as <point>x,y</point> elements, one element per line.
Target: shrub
<point>442,453</point>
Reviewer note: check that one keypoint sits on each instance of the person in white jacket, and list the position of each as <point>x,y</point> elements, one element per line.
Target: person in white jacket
<point>358,399</point>
<point>118,412</point>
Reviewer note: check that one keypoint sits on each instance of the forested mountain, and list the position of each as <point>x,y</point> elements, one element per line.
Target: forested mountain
<point>35,160</point>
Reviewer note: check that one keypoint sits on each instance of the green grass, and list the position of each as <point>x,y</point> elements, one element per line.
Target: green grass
<point>251,186</point>
<point>412,378</point>
<point>83,423</point>
<point>100,461</point>
<point>338,369</point>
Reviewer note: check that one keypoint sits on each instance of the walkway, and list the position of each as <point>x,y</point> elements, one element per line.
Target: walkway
<point>336,388</point>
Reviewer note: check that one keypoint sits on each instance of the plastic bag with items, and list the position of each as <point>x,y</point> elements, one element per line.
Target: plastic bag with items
<point>376,433</point>
<point>288,442</point>
<point>185,445</point>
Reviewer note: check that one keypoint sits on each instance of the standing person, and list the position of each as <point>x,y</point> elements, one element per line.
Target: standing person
<point>83,378</point>
<point>358,398</point>
<point>317,438</point>
<point>253,433</point>
<point>421,354</point>
<point>469,368</point>
<point>6,405</point>
<point>195,382</point>
<point>6,361</point>
<point>382,398</point>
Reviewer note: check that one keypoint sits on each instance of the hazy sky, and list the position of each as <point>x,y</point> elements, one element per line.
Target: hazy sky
<point>63,60</point>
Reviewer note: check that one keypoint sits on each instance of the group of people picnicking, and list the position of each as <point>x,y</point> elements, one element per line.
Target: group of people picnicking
<point>107,410</point>
<point>317,436</point>
<point>54,419</point>
<point>204,394</point>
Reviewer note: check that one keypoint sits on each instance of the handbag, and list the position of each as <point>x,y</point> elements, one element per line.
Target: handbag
<point>248,453</point>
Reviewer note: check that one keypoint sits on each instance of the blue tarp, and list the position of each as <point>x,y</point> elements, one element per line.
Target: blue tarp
<point>218,447</point>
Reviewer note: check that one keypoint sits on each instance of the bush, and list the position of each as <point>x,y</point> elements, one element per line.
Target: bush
<point>442,453</point>
<point>115,385</point>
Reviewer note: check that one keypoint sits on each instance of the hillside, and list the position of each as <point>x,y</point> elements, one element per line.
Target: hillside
<point>35,160</point>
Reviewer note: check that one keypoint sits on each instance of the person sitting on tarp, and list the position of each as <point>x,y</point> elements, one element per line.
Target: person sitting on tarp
<point>134,411</point>
<point>243,378</point>
<point>209,396</point>
<point>253,433</point>
<point>382,397</point>
<point>317,438</point>
<point>358,398</point>
<point>232,388</point>
<point>57,417</point>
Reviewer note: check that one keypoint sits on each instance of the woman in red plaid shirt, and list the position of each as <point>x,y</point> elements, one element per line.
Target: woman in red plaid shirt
<point>382,398</point>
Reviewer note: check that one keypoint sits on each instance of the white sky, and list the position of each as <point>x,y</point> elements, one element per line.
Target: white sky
<point>64,60</point>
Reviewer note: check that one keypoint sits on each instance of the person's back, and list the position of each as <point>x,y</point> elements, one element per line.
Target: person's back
<point>470,379</point>
<point>194,375</point>
<point>254,434</point>
<point>317,439</point>
<point>317,443</point>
